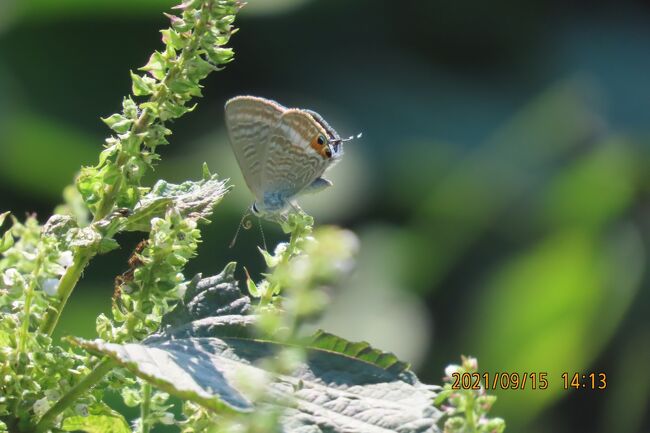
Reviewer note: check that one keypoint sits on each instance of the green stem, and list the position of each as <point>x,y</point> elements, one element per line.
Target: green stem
<point>66,286</point>
<point>29,297</point>
<point>145,407</point>
<point>24,328</point>
<point>470,420</point>
<point>73,273</point>
<point>46,421</point>
<point>108,201</point>
<point>145,119</point>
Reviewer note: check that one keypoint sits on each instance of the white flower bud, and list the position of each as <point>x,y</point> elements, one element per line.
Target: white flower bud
<point>470,363</point>
<point>65,259</point>
<point>280,248</point>
<point>11,276</point>
<point>167,418</point>
<point>41,406</point>
<point>451,369</point>
<point>51,286</point>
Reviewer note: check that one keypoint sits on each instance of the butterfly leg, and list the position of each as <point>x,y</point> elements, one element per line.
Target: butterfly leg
<point>294,207</point>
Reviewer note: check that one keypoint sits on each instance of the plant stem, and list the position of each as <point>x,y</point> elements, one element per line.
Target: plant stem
<point>470,420</point>
<point>108,201</point>
<point>66,285</point>
<point>145,118</point>
<point>145,407</point>
<point>29,296</point>
<point>73,273</point>
<point>24,328</point>
<point>104,366</point>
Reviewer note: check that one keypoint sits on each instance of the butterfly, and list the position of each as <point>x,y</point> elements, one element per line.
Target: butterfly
<point>282,152</point>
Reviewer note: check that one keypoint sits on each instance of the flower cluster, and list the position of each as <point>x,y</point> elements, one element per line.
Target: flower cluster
<point>154,281</point>
<point>42,384</point>
<point>31,268</point>
<point>299,270</point>
<point>33,381</point>
<point>156,408</point>
<point>34,373</point>
<point>194,48</point>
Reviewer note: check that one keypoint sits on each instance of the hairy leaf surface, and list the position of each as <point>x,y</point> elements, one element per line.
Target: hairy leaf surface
<point>192,198</point>
<point>208,352</point>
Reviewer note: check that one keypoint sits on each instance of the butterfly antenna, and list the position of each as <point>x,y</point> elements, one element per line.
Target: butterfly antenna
<point>242,223</point>
<point>259,221</point>
<point>352,137</point>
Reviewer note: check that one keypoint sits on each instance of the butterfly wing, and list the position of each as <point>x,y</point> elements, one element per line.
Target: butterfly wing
<point>292,163</point>
<point>250,122</point>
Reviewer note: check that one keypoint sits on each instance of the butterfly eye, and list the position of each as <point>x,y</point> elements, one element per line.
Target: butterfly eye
<point>321,140</point>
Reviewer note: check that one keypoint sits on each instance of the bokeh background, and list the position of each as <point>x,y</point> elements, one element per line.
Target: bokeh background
<point>500,190</point>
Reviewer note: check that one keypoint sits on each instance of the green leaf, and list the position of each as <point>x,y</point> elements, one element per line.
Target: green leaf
<point>174,38</point>
<point>221,55</point>
<point>198,69</point>
<point>4,215</point>
<point>87,237</point>
<point>140,220</point>
<point>360,350</point>
<point>130,108</point>
<point>209,354</point>
<point>151,106</point>
<point>142,86</point>
<point>118,123</point>
<point>218,295</point>
<point>270,260</point>
<point>100,419</point>
<point>206,171</point>
<point>180,85</point>
<point>59,226</point>
<point>252,287</point>
<point>6,242</point>
<point>172,110</point>
<point>156,66</point>
<point>194,199</point>
<point>155,135</point>
<point>107,244</point>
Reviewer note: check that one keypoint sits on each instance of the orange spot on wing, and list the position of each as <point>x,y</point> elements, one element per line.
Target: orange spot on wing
<point>320,148</point>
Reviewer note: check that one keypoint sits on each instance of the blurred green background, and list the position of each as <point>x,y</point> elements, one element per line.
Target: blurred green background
<point>500,190</point>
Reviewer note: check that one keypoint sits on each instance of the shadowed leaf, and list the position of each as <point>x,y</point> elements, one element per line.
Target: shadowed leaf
<point>209,353</point>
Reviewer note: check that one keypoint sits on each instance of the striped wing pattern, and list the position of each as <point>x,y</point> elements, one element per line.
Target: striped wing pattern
<point>250,122</point>
<point>291,163</point>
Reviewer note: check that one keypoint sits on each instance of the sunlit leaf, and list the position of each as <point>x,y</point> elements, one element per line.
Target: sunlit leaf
<point>3,216</point>
<point>214,358</point>
<point>6,242</point>
<point>100,419</point>
<point>191,198</point>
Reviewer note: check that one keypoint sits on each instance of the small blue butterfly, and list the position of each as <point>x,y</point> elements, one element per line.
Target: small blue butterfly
<point>282,152</point>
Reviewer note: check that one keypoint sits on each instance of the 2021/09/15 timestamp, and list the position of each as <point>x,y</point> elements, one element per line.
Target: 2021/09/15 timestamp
<point>534,380</point>
<point>500,380</point>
